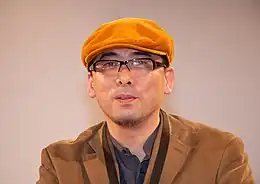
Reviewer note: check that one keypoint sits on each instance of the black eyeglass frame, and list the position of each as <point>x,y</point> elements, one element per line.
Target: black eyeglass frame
<point>156,65</point>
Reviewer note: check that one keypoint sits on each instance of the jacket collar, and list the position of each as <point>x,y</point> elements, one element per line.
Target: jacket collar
<point>182,141</point>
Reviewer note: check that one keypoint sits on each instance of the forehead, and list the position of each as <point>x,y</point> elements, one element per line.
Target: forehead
<point>126,53</point>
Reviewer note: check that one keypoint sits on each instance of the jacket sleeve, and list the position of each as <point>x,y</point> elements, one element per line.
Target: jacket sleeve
<point>47,174</point>
<point>234,166</point>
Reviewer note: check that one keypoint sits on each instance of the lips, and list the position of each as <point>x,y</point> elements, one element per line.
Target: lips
<point>125,97</point>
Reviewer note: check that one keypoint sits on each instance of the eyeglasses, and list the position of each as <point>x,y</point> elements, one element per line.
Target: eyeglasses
<point>138,66</point>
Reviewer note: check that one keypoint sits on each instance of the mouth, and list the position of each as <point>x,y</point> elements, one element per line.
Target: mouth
<point>125,98</point>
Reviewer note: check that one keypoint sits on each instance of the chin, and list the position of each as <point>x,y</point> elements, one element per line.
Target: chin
<point>127,123</point>
<point>126,118</point>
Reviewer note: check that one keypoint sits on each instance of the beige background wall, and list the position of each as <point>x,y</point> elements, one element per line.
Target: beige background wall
<point>43,84</point>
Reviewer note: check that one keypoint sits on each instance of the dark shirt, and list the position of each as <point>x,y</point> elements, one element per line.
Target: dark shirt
<point>131,170</point>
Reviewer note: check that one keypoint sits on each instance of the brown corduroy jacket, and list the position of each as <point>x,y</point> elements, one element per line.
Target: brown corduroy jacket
<point>196,154</point>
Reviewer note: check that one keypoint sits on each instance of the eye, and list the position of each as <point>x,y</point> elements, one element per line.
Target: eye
<point>107,64</point>
<point>110,64</point>
<point>142,63</point>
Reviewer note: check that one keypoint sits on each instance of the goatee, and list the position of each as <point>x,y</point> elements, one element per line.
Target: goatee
<point>127,123</point>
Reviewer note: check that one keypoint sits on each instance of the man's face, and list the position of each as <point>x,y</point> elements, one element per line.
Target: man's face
<point>129,97</point>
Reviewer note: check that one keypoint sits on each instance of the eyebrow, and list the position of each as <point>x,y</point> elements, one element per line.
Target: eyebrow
<point>135,53</point>
<point>106,54</point>
<point>141,53</point>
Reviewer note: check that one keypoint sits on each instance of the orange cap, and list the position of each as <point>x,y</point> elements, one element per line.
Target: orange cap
<point>135,33</point>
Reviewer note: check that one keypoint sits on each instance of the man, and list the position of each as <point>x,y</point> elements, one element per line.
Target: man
<point>128,62</point>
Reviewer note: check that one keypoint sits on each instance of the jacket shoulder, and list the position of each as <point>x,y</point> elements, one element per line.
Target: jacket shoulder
<point>70,149</point>
<point>218,152</point>
<point>203,133</point>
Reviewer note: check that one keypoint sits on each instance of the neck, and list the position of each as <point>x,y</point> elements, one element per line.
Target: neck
<point>134,138</point>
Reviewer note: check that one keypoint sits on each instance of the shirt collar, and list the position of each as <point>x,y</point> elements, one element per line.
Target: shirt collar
<point>148,145</point>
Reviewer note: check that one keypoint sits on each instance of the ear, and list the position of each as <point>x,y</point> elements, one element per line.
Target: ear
<point>91,90</point>
<point>169,80</point>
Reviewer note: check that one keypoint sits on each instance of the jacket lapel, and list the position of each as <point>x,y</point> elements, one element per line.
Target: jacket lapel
<point>175,159</point>
<point>182,142</point>
<point>95,163</point>
<point>180,145</point>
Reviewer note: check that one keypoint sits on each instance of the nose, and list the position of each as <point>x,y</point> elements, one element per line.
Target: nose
<point>124,77</point>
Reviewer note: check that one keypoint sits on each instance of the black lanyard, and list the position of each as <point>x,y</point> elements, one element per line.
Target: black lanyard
<point>111,169</point>
<point>159,162</point>
<point>161,155</point>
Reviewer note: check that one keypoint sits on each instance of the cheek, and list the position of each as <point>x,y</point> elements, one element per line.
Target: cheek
<point>152,89</point>
<point>102,87</point>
